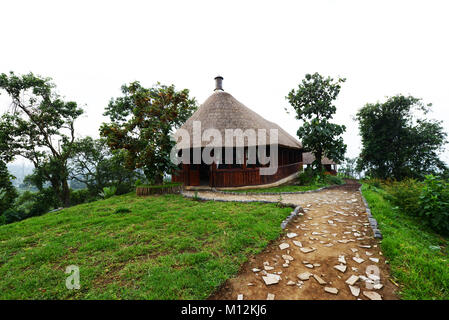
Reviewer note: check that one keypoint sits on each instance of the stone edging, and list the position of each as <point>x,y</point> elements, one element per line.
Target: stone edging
<point>298,210</point>
<point>371,219</point>
<point>273,193</point>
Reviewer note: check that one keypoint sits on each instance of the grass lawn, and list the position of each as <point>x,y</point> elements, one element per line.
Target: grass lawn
<point>128,247</point>
<point>422,272</point>
<point>286,188</point>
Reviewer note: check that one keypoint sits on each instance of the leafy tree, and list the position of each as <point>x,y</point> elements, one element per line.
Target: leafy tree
<point>141,123</point>
<point>95,166</point>
<point>40,128</point>
<point>8,193</point>
<point>313,103</point>
<point>398,142</point>
<point>349,167</point>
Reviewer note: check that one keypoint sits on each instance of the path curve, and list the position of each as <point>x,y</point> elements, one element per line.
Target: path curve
<point>335,227</point>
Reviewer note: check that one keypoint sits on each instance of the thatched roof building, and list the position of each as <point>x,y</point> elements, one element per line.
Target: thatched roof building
<point>329,165</point>
<point>309,158</point>
<point>221,111</point>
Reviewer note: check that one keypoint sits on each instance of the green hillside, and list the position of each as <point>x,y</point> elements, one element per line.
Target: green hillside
<point>126,247</point>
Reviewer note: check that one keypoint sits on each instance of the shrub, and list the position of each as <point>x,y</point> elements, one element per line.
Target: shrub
<point>329,179</point>
<point>80,196</point>
<point>434,203</point>
<point>405,194</point>
<point>306,177</point>
<point>108,192</point>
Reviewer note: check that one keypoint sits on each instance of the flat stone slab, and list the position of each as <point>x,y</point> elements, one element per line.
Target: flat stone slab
<point>355,291</point>
<point>352,280</point>
<point>340,267</point>
<point>271,279</point>
<point>331,290</point>
<point>372,295</point>
<point>287,257</point>
<point>358,260</point>
<point>284,245</point>
<point>319,280</point>
<point>291,235</point>
<point>307,250</point>
<point>304,276</point>
<point>297,243</point>
<point>270,296</point>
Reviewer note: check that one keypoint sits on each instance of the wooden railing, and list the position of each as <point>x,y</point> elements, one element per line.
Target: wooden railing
<point>250,176</point>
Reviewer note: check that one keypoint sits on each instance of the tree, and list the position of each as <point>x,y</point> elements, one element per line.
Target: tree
<point>141,123</point>
<point>40,128</point>
<point>398,142</point>
<point>8,193</point>
<point>96,167</point>
<point>349,167</point>
<point>313,103</point>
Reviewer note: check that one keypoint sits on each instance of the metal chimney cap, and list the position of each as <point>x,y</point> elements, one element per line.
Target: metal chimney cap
<point>218,83</point>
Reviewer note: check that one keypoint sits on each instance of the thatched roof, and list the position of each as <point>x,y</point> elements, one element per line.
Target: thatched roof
<point>308,158</point>
<point>222,111</point>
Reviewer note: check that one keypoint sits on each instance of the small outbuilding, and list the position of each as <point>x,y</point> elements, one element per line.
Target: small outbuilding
<point>222,112</point>
<point>329,165</point>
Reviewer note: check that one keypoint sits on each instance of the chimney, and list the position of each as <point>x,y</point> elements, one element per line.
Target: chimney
<point>219,83</point>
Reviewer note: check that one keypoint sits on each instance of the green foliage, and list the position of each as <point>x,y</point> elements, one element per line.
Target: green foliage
<point>409,244</point>
<point>348,168</point>
<point>39,127</point>
<point>108,192</point>
<point>8,193</point>
<point>313,104</point>
<point>80,196</point>
<point>330,179</point>
<point>311,177</point>
<point>94,165</point>
<point>434,203</point>
<point>31,204</point>
<point>141,123</point>
<point>165,247</point>
<point>405,194</point>
<point>396,143</point>
<point>306,177</point>
<point>428,200</point>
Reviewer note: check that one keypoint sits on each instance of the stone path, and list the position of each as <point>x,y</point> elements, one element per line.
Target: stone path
<point>328,252</point>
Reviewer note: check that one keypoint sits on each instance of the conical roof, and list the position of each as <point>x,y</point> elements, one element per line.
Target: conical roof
<point>222,111</point>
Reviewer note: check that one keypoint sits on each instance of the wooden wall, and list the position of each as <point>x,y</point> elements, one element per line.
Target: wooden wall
<point>290,161</point>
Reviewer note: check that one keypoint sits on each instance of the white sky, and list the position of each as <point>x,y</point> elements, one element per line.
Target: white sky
<point>262,49</point>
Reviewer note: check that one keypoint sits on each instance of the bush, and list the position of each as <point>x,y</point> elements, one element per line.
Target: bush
<point>329,179</point>
<point>434,203</point>
<point>80,196</point>
<point>108,192</point>
<point>405,194</point>
<point>306,177</point>
<point>124,188</point>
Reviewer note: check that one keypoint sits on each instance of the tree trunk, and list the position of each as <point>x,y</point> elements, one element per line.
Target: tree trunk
<point>318,158</point>
<point>65,194</point>
<point>158,179</point>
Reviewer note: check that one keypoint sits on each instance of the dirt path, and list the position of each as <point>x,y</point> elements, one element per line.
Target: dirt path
<point>336,231</point>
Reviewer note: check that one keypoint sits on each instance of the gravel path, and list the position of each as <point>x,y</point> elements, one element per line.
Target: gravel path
<point>329,252</point>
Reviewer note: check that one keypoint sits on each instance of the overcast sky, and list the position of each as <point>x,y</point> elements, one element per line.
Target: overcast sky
<point>263,49</point>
